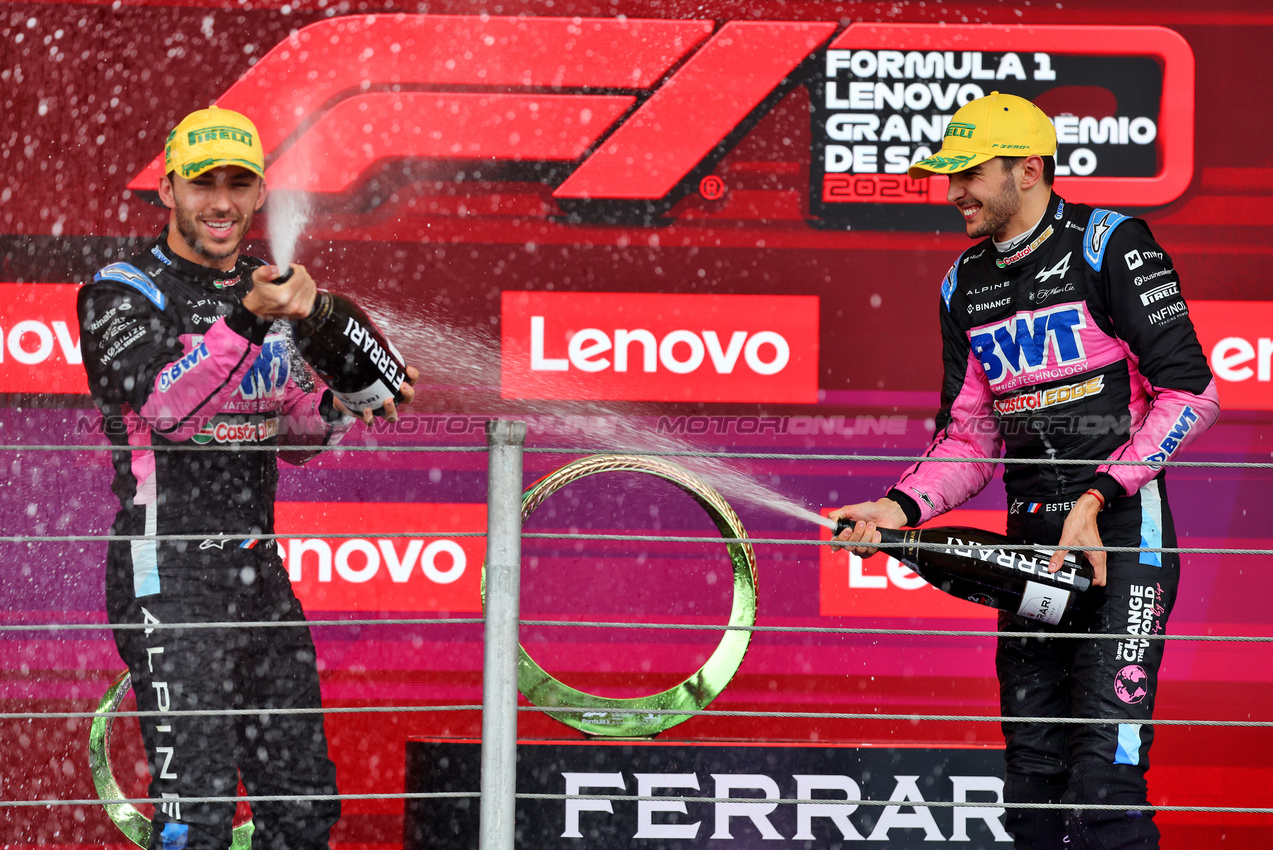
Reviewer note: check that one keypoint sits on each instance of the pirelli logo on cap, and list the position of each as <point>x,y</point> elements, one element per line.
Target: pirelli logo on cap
<point>963,131</point>
<point>208,134</point>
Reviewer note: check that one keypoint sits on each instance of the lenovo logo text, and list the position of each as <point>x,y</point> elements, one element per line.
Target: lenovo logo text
<point>654,347</point>
<point>681,352</point>
<point>358,560</point>
<point>40,339</point>
<point>357,556</point>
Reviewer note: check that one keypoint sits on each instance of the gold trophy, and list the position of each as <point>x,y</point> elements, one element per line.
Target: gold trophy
<point>641,717</point>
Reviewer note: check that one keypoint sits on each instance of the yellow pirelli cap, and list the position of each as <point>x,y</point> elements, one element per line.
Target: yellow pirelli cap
<point>990,126</point>
<point>211,138</point>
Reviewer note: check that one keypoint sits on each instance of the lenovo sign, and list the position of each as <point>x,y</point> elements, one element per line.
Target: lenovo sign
<point>881,586</point>
<point>40,339</point>
<point>649,347</point>
<point>1237,337</point>
<point>419,569</point>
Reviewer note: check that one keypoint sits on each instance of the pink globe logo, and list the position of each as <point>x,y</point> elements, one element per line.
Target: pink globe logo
<point>1131,684</point>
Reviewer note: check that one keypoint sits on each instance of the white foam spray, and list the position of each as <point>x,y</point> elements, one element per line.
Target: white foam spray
<point>463,361</point>
<point>289,213</point>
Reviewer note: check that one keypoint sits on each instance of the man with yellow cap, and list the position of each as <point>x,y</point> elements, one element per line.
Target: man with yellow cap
<point>190,358</point>
<point>1066,343</point>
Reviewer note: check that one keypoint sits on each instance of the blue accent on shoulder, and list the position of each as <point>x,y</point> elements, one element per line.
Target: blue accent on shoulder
<point>136,278</point>
<point>949,283</point>
<point>1100,226</point>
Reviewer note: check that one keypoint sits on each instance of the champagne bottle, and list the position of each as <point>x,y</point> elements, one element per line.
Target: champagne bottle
<point>349,352</point>
<point>971,564</point>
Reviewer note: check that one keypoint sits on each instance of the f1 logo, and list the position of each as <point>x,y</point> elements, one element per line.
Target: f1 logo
<point>341,98</point>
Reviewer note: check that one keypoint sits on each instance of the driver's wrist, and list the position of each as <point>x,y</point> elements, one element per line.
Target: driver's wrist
<point>896,514</point>
<point>1092,500</point>
<point>909,508</point>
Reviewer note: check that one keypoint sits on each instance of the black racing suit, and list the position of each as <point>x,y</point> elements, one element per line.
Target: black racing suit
<point>187,379</point>
<point>1074,344</point>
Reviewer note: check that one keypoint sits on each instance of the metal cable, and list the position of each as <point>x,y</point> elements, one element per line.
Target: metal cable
<point>623,798</point>
<point>236,448</point>
<point>454,621</point>
<point>621,538</point>
<point>706,712</point>
<point>685,453</point>
<point>1007,461</point>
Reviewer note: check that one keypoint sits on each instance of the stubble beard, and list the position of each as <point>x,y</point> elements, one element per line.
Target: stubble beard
<point>998,210</point>
<point>187,229</point>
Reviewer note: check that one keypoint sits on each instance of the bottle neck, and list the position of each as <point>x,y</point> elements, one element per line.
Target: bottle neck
<point>906,552</point>
<point>318,315</point>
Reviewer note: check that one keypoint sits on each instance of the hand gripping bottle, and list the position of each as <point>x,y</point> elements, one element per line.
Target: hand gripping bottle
<point>349,352</point>
<point>971,564</point>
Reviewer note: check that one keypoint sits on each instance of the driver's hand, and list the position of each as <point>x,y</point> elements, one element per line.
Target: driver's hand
<point>390,407</point>
<point>292,300</point>
<point>868,518</point>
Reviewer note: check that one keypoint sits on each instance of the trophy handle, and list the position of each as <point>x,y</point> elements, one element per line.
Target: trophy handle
<point>135,826</point>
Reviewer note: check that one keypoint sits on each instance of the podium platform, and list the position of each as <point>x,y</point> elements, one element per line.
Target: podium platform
<point>756,777</point>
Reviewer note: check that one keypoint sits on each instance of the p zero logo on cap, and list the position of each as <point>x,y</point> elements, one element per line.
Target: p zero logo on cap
<point>653,347</point>
<point>418,569</point>
<point>882,586</point>
<point>40,339</point>
<point>1237,337</point>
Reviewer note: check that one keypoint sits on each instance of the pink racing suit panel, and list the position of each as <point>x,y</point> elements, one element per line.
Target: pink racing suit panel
<point>1174,420</point>
<point>198,384</point>
<point>939,487</point>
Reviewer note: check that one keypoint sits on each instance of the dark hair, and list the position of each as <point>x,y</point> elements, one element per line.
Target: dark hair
<point>1049,166</point>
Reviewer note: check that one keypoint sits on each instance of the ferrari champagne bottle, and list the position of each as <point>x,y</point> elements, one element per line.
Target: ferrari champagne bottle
<point>350,353</point>
<point>972,564</point>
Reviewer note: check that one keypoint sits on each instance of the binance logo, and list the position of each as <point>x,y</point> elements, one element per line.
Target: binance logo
<point>963,131</point>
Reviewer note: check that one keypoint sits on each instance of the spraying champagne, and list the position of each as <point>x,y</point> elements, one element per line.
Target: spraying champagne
<point>971,564</point>
<point>349,352</point>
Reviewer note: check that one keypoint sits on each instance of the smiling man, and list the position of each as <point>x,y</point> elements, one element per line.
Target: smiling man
<point>1065,337</point>
<point>191,360</point>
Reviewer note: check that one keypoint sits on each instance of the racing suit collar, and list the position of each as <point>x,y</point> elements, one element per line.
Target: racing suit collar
<point>1020,247</point>
<point>1020,239</point>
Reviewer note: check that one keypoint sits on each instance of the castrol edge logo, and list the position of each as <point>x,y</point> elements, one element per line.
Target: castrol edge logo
<point>40,339</point>
<point>1040,399</point>
<point>420,570</point>
<point>1237,337</point>
<point>653,347</point>
<point>882,586</point>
